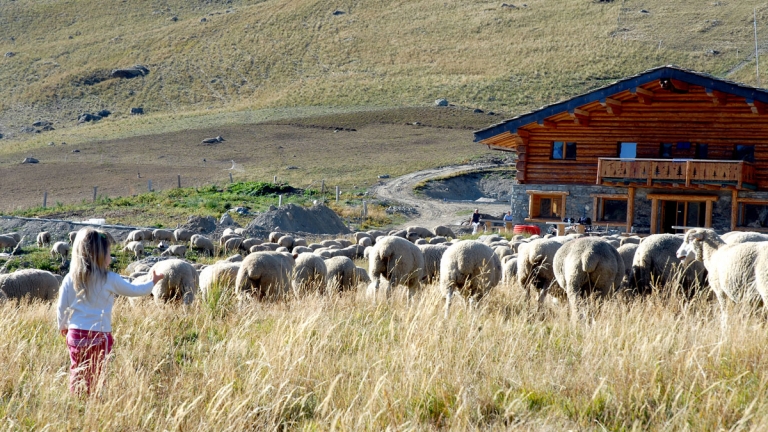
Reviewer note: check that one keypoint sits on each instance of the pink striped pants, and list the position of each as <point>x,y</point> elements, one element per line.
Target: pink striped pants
<point>87,353</point>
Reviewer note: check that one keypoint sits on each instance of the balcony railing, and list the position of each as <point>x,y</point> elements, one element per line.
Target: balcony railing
<point>677,172</point>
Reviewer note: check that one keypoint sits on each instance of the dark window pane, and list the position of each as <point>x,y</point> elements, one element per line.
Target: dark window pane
<point>665,150</point>
<point>628,150</point>
<point>546,208</point>
<point>557,150</point>
<point>570,150</point>
<point>683,145</point>
<point>756,215</point>
<point>614,210</point>
<point>744,152</point>
<point>701,151</point>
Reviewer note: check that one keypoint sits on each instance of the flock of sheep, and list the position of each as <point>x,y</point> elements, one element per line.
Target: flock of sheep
<point>574,266</point>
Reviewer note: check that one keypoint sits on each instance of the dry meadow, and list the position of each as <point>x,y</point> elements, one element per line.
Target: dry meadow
<point>348,363</point>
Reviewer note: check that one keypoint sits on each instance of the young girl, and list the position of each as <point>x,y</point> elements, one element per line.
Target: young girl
<point>84,311</point>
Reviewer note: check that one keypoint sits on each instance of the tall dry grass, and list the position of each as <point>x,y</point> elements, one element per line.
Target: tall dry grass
<point>347,363</point>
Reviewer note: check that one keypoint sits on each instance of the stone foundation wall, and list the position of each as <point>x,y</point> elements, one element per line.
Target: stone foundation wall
<point>579,196</point>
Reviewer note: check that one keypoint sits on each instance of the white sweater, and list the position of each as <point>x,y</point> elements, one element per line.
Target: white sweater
<point>95,312</point>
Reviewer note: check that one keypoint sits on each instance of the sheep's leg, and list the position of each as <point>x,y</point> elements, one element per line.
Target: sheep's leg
<point>542,298</point>
<point>411,293</point>
<point>573,301</point>
<point>448,296</point>
<point>373,287</point>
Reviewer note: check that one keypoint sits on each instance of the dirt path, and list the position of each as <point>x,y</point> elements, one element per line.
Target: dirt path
<point>435,212</point>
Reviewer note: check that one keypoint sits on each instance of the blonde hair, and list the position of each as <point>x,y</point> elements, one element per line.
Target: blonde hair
<point>90,259</point>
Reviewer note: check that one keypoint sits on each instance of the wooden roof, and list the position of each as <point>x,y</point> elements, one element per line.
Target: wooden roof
<point>610,97</point>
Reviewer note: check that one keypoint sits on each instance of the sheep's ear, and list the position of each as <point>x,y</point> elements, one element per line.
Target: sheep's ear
<point>698,235</point>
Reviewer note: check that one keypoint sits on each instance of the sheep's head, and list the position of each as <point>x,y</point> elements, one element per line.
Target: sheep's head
<point>691,248</point>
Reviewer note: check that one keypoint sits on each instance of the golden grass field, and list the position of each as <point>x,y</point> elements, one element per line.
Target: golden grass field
<point>347,363</point>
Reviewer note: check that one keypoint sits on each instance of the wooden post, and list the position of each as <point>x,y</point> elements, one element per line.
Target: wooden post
<point>688,173</point>
<point>599,170</point>
<point>274,180</point>
<point>280,200</point>
<point>654,215</point>
<point>95,189</point>
<point>365,209</point>
<point>734,209</point>
<point>230,178</point>
<point>149,185</point>
<point>708,214</point>
<point>630,208</point>
<point>178,181</point>
<point>45,198</point>
<point>337,194</point>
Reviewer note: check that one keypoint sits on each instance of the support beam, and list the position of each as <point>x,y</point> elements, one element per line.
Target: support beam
<point>757,106</point>
<point>630,208</point>
<point>580,117</point>
<point>612,106</point>
<point>718,97</point>
<point>547,124</point>
<point>654,216</point>
<point>734,209</point>
<point>708,215</point>
<point>643,96</point>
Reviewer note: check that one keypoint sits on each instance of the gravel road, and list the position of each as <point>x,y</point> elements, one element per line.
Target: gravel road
<point>434,212</point>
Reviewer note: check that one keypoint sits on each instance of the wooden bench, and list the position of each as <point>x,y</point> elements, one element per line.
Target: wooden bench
<point>490,224</point>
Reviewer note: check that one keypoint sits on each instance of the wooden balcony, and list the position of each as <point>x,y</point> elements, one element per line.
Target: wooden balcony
<point>687,173</point>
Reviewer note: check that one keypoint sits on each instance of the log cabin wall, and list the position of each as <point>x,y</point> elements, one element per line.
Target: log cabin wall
<point>691,117</point>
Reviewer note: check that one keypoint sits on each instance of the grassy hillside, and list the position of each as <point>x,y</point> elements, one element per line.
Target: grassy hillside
<point>257,54</point>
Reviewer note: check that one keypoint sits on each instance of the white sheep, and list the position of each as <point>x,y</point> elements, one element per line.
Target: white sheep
<point>509,271</point>
<point>309,274</point>
<point>362,235</point>
<point>61,249</point>
<point>340,274</point>
<point>263,274</point>
<point>175,250</point>
<point>534,265</point>
<point>735,237</point>
<point>182,235</point>
<point>179,283</point>
<point>432,256</point>
<point>135,236</point>
<point>202,243</point>
<point>365,241</point>
<point>420,231</point>
<point>222,275</point>
<point>135,247</point>
<point>234,244</point>
<point>396,260</point>
<point>656,261</point>
<point>361,276</point>
<point>469,268</point>
<point>737,272</point>
<point>163,234</point>
<point>7,242</point>
<point>249,242</point>
<point>30,283</point>
<point>286,241</point>
<point>444,231</point>
<point>71,236</point>
<point>587,265</point>
<point>223,239</point>
<point>627,252</point>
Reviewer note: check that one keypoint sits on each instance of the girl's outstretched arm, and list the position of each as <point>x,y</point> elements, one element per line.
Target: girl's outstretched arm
<point>117,285</point>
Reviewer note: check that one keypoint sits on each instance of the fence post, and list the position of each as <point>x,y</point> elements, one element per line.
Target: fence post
<point>365,209</point>
<point>337,194</point>
<point>178,181</point>
<point>149,185</point>
<point>280,200</point>
<point>230,178</point>
<point>322,188</point>
<point>274,180</point>
<point>95,189</point>
<point>45,198</point>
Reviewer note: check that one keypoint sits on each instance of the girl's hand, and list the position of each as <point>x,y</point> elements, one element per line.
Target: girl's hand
<point>63,332</point>
<point>157,277</point>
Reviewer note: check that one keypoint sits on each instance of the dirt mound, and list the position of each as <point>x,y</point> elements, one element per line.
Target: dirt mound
<point>317,219</point>
<point>471,187</point>
<point>200,224</point>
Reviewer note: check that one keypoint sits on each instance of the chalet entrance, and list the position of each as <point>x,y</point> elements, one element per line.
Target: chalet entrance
<point>688,211</point>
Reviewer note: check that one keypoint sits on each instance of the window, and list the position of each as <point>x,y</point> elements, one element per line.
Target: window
<point>614,210</point>
<point>665,150</point>
<point>744,152</point>
<point>564,150</point>
<point>610,208</point>
<point>549,205</point>
<point>701,151</point>
<point>753,215</point>
<point>628,150</point>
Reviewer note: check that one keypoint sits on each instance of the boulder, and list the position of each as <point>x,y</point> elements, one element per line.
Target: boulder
<point>137,111</point>
<point>104,113</point>
<point>30,160</point>
<point>441,102</point>
<point>130,72</point>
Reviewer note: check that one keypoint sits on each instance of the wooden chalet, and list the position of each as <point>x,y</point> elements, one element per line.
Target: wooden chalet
<point>666,148</point>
